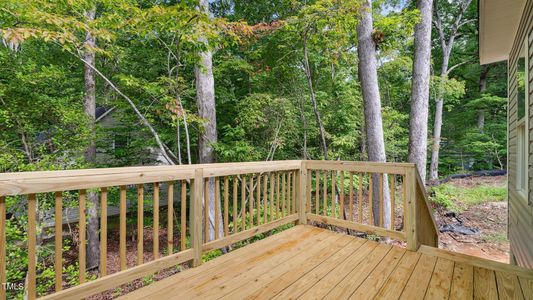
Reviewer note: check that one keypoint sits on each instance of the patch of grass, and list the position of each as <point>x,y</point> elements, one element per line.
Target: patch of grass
<point>457,199</point>
<point>495,237</point>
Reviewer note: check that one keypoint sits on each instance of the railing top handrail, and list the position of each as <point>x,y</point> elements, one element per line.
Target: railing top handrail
<point>361,166</point>
<point>22,183</point>
<point>123,170</point>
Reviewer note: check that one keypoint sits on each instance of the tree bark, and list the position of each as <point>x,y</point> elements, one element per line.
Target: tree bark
<point>418,121</point>
<point>372,107</point>
<point>89,104</point>
<point>205,100</point>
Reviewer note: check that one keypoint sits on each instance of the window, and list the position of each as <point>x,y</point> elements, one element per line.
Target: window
<point>522,124</point>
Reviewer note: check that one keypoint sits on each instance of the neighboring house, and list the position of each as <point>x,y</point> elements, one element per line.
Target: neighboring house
<point>506,33</point>
<point>116,141</point>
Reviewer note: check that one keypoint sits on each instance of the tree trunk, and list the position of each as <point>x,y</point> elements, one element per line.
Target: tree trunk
<point>418,121</point>
<point>309,76</point>
<point>372,107</point>
<point>481,120</point>
<point>205,100</point>
<point>93,240</point>
<point>437,127</point>
<point>482,89</point>
<point>178,99</point>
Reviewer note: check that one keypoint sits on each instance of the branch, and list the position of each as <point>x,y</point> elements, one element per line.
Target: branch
<point>458,21</point>
<point>456,66</point>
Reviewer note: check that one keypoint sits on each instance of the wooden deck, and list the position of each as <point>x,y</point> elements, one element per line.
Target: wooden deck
<point>311,263</point>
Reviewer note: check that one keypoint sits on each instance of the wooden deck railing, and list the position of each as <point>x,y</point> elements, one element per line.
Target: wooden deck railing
<point>250,198</point>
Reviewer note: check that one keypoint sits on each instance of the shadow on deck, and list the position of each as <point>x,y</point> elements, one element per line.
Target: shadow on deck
<point>311,263</point>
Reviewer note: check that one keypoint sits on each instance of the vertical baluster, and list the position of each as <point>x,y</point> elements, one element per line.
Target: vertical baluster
<point>360,196</point>
<point>308,188</point>
<point>58,254</point>
<point>325,196</point>
<point>277,194</point>
<point>317,192</point>
<point>351,196</point>
<point>217,208</point>
<point>392,199</point>
<point>122,228</point>
<point>404,208</point>
<point>206,210</point>
<point>3,247</point>
<point>265,208</point>
<point>271,206</point>
<point>195,221</point>
<point>82,235</point>
<point>370,199</point>
<point>258,200</point>
<point>304,193</point>
<point>103,232</point>
<point>265,182</point>
<point>381,201</point>
<point>183,225</point>
<point>283,191</point>
<point>243,203</point>
<point>140,223</point>
<point>333,185</point>
<point>32,245</point>
<point>251,201</point>
<point>290,200</point>
<point>156,220</point>
<point>226,206</point>
<point>235,196</point>
<point>288,195</point>
<point>341,196</point>
<point>295,184</point>
<point>170,217</point>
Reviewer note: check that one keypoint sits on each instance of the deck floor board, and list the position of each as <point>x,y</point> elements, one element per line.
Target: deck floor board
<point>307,262</point>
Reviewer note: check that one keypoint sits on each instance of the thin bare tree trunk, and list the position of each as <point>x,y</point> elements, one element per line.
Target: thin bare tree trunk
<point>205,100</point>
<point>418,124</point>
<point>309,76</point>
<point>178,140</point>
<point>178,99</point>
<point>93,241</point>
<point>482,89</point>
<point>372,107</point>
<point>447,46</point>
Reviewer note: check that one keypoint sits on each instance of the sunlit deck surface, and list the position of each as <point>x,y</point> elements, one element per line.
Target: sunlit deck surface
<point>313,263</point>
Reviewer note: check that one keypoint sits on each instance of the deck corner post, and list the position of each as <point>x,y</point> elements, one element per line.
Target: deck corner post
<point>196,216</point>
<point>410,210</point>
<point>302,194</point>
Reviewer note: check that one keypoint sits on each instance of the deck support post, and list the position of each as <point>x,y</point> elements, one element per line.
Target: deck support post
<point>302,194</point>
<point>410,210</point>
<point>196,216</point>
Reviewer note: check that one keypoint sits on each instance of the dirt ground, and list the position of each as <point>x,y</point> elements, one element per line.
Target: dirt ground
<point>490,218</point>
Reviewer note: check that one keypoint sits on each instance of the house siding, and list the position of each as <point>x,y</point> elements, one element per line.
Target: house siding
<point>520,211</point>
